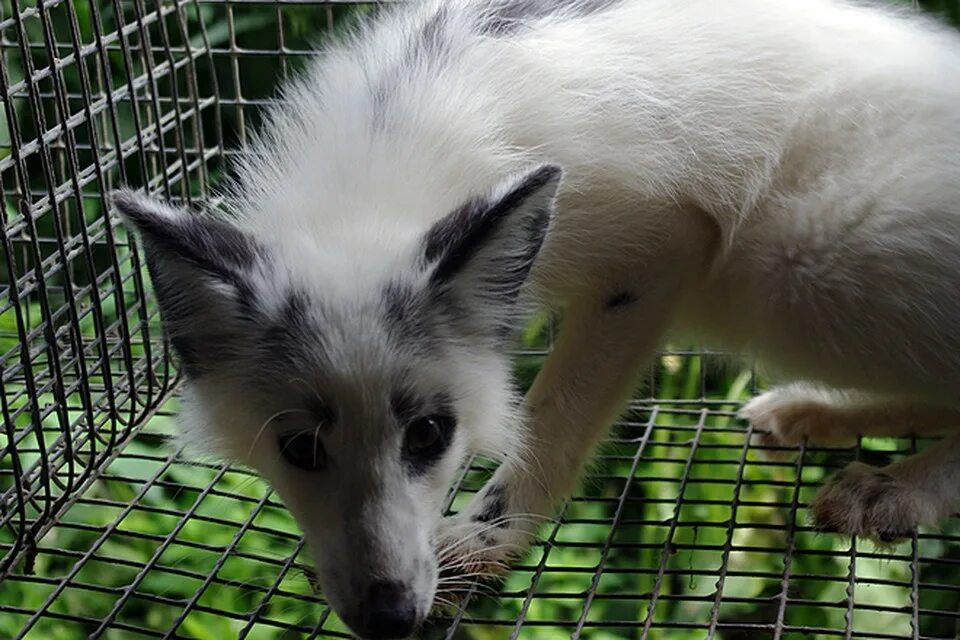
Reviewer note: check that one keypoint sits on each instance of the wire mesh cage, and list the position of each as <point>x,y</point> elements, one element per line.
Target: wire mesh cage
<point>684,529</point>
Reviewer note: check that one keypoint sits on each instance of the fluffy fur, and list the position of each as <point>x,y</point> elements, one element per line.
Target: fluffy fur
<point>769,175</point>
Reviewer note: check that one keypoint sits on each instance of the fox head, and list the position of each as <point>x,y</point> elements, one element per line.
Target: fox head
<point>355,382</point>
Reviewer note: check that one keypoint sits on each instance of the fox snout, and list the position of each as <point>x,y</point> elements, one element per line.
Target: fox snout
<point>379,571</point>
<point>387,611</point>
<point>382,602</point>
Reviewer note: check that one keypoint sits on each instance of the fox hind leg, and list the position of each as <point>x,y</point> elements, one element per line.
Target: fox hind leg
<point>883,504</point>
<point>888,504</point>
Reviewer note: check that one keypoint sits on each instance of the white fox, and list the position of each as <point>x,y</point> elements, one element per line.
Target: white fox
<point>772,176</point>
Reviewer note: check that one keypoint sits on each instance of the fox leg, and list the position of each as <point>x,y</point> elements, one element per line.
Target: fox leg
<point>581,389</point>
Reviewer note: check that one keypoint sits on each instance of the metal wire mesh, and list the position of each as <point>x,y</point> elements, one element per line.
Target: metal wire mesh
<point>684,529</point>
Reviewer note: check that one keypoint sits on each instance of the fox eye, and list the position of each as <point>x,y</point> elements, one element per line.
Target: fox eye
<point>427,437</point>
<point>304,450</point>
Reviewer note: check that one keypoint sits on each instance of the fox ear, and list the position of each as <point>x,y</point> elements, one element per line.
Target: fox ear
<point>202,271</point>
<point>482,253</point>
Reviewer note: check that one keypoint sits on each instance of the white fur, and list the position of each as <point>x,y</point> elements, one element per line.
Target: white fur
<point>771,175</point>
<point>803,133</point>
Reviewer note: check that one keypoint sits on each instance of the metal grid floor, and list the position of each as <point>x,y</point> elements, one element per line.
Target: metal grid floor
<point>685,529</point>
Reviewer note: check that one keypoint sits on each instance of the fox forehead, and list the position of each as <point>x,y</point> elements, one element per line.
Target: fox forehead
<point>378,347</point>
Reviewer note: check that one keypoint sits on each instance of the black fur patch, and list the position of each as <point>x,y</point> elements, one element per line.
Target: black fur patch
<point>406,406</point>
<point>454,232</point>
<point>285,335</point>
<point>620,299</point>
<point>506,17</point>
<point>494,506</point>
<point>194,359</point>
<point>404,314</point>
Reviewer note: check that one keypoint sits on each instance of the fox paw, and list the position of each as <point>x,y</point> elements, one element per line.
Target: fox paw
<point>479,545</point>
<point>788,416</point>
<point>865,501</point>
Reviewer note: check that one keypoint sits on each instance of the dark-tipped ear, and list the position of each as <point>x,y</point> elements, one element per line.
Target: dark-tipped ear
<point>213,246</point>
<point>201,270</point>
<point>482,253</point>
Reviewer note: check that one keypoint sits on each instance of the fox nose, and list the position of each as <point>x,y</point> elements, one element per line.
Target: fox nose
<point>388,612</point>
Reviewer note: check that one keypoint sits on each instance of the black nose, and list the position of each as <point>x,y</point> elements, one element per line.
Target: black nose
<point>388,612</point>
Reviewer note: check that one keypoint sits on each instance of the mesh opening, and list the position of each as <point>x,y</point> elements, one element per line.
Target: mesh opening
<point>685,528</point>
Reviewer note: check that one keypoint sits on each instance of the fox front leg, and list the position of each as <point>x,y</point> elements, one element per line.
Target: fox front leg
<point>581,389</point>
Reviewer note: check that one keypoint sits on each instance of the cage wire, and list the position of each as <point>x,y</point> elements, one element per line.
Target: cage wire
<point>684,528</point>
